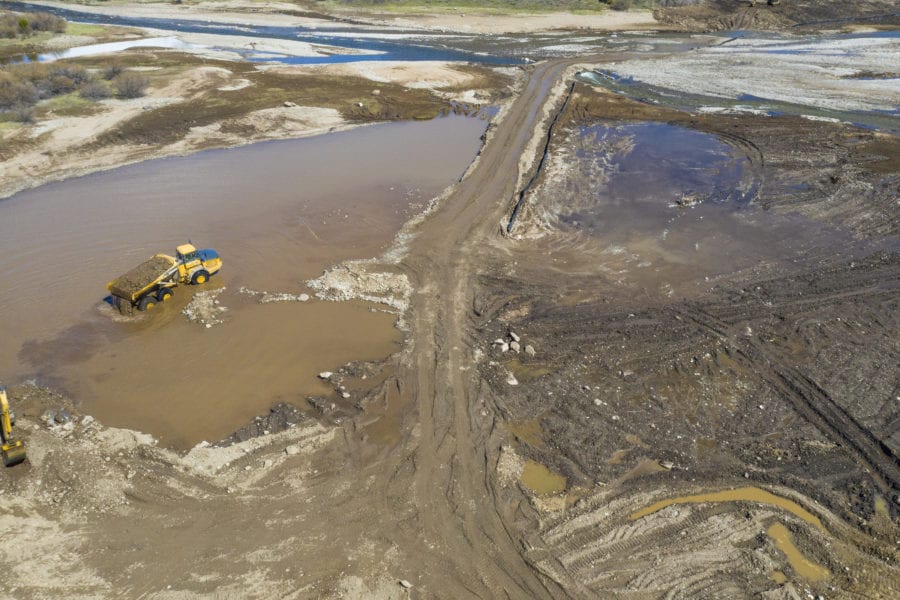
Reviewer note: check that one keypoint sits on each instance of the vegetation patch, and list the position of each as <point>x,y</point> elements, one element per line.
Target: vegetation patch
<point>353,97</point>
<point>494,6</point>
<point>68,105</point>
<point>21,25</point>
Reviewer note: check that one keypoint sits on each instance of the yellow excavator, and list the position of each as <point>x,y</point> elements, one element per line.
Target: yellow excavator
<point>13,449</point>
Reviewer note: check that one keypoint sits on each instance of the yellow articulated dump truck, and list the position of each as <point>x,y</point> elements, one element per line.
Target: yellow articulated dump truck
<point>152,281</point>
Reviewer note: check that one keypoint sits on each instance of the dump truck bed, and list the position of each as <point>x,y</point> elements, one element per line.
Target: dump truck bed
<point>135,282</point>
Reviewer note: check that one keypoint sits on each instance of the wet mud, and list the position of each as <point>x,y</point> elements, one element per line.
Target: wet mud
<point>297,215</point>
<point>709,308</point>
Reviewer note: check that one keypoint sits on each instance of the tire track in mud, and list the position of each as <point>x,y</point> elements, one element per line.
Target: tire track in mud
<point>451,487</point>
<point>808,398</point>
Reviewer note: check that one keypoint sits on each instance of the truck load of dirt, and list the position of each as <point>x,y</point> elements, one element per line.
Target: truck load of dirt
<point>125,286</point>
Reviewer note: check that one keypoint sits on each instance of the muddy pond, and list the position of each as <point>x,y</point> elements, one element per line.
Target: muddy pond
<point>665,210</point>
<point>279,213</point>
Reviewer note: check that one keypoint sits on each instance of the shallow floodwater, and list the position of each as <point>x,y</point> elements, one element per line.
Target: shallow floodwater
<point>665,209</point>
<point>279,213</point>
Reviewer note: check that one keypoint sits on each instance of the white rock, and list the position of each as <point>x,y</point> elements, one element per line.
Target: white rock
<point>515,346</point>
<point>87,420</point>
<point>292,450</point>
<point>303,297</point>
<point>597,401</point>
<point>345,395</point>
<point>529,350</point>
<point>499,342</point>
<point>511,379</point>
<point>325,375</point>
<point>405,584</point>
<point>514,336</point>
<point>247,468</point>
<point>267,463</point>
<point>504,347</point>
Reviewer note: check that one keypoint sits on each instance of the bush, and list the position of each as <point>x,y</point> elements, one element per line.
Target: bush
<point>14,25</point>
<point>131,85</point>
<point>23,114</point>
<point>56,85</point>
<point>43,21</point>
<point>112,71</point>
<point>77,74</point>
<point>16,93</point>
<point>95,90</point>
<point>54,81</point>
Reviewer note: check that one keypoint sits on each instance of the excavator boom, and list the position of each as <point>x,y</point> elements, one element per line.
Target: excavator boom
<point>13,450</point>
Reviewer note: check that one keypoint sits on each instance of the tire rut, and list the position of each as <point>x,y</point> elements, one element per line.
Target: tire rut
<point>809,400</point>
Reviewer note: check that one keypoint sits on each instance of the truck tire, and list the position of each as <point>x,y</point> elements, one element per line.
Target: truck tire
<point>164,295</point>
<point>201,276</point>
<point>147,302</point>
<point>123,306</point>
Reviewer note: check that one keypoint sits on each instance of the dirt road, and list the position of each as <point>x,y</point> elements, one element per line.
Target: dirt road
<point>450,457</point>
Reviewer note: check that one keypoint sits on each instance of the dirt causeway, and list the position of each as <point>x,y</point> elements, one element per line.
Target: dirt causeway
<point>649,348</point>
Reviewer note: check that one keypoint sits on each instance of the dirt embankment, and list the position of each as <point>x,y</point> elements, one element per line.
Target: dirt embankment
<point>718,15</point>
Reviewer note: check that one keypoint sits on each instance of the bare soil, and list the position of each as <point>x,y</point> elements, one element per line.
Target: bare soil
<point>463,470</point>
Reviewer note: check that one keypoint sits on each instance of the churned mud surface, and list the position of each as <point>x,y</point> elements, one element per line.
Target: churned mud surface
<point>668,369</point>
<point>684,335</point>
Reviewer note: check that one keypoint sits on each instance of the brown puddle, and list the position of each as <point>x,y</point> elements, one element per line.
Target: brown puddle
<point>801,565</point>
<point>541,480</point>
<point>527,372</point>
<point>528,431</point>
<point>279,213</point>
<point>744,494</point>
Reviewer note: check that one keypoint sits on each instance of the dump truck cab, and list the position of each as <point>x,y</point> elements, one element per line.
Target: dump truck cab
<point>196,266</point>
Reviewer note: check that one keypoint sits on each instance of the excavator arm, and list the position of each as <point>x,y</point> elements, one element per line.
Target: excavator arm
<point>13,450</point>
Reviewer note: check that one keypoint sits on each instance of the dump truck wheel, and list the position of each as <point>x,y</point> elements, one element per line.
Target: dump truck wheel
<point>199,277</point>
<point>164,295</point>
<point>147,303</point>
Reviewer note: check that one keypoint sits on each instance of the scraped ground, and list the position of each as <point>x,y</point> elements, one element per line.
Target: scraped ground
<point>474,472</point>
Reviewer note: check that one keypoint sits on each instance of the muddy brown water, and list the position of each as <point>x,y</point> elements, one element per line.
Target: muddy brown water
<point>279,213</point>
<point>744,494</point>
<point>801,565</point>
